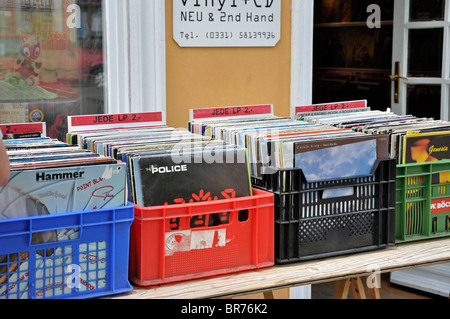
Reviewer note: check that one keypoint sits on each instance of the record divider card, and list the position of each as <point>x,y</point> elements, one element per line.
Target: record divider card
<point>330,107</point>
<point>85,123</point>
<point>24,128</point>
<point>230,112</point>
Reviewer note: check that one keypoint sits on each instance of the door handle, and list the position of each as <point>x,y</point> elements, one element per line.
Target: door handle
<point>396,78</point>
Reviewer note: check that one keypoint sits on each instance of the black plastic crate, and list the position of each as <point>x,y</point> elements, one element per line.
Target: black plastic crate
<point>311,224</point>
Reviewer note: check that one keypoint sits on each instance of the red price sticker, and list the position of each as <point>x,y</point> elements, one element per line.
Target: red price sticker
<point>23,128</point>
<point>106,119</point>
<point>331,106</point>
<point>231,111</point>
<point>112,121</point>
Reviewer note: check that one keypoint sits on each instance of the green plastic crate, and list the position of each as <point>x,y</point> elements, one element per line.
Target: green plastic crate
<point>423,202</point>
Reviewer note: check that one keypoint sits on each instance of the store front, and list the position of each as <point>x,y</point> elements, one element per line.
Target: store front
<point>60,58</point>
<point>392,53</point>
<point>121,56</point>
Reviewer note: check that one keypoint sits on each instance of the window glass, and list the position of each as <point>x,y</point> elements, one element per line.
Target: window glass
<point>427,10</point>
<point>351,60</point>
<point>338,11</point>
<point>51,61</point>
<point>424,100</point>
<point>425,52</point>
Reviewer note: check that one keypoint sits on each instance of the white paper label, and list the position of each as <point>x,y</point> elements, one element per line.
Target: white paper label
<point>184,241</point>
<point>227,23</point>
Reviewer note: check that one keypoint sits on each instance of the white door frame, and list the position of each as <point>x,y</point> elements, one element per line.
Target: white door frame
<point>135,56</point>
<point>302,53</point>
<point>400,53</point>
<point>301,77</point>
<point>425,278</point>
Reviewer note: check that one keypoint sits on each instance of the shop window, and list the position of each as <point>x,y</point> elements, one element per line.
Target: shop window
<point>51,61</point>
<point>352,61</point>
<point>425,52</point>
<point>419,95</point>
<point>427,10</point>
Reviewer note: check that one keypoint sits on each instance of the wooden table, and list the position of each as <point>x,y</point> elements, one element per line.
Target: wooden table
<point>339,269</point>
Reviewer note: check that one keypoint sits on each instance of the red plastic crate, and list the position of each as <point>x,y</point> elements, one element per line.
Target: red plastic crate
<point>182,242</point>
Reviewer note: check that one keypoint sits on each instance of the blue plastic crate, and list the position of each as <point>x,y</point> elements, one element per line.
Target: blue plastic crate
<point>75,255</point>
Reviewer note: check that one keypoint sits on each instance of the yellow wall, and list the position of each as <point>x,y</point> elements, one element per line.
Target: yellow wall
<point>214,77</point>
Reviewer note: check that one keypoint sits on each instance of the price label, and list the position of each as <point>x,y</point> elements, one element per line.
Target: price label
<point>331,106</point>
<point>232,111</point>
<point>24,128</point>
<point>105,121</point>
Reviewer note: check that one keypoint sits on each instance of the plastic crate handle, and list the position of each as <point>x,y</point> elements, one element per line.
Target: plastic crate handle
<point>338,192</point>
<point>55,228</point>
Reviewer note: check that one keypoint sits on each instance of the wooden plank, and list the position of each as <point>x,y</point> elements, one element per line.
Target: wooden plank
<point>399,257</point>
<point>374,288</point>
<point>374,293</point>
<point>357,288</point>
<point>272,294</point>
<point>342,288</point>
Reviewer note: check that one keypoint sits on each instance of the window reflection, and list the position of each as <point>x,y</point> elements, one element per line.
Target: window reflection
<point>51,61</point>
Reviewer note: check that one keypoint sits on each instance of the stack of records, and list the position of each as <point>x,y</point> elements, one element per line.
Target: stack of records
<point>411,139</point>
<point>50,177</point>
<point>205,127</point>
<point>32,143</point>
<point>322,151</point>
<point>59,179</point>
<point>166,166</point>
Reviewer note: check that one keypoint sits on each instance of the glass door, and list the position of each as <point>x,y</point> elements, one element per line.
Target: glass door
<point>352,61</point>
<point>421,58</point>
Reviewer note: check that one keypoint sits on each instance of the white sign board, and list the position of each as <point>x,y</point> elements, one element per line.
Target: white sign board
<point>226,23</point>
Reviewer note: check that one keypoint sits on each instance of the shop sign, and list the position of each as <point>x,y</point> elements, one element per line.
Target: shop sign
<point>226,23</point>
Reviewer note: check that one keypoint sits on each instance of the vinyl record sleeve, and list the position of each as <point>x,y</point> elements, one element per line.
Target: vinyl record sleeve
<point>421,148</point>
<point>64,190</point>
<point>160,181</point>
<point>340,158</point>
<point>64,162</point>
<point>175,148</point>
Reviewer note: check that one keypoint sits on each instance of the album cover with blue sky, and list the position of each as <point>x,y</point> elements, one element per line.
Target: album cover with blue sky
<point>338,158</point>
